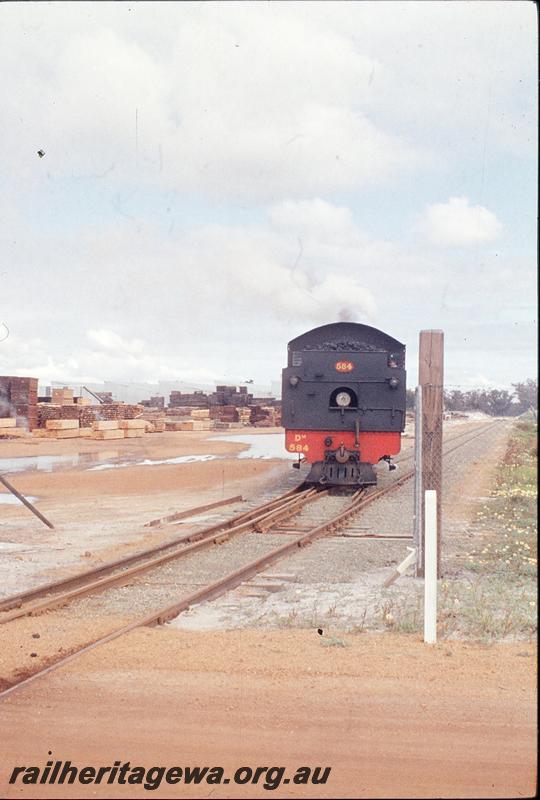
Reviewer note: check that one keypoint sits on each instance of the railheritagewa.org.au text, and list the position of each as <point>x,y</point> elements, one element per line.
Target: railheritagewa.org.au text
<point>151,778</point>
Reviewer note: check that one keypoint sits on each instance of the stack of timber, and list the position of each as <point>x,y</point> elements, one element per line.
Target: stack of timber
<point>86,414</point>
<point>157,402</point>
<point>195,425</point>
<point>105,397</point>
<point>200,413</point>
<point>89,414</point>
<point>48,411</point>
<point>174,425</point>
<point>196,398</point>
<point>9,430</point>
<point>133,428</point>
<point>224,413</point>
<point>99,429</point>
<point>18,399</point>
<point>244,415</point>
<point>5,404</point>
<point>62,397</point>
<point>62,429</point>
<point>178,411</point>
<point>107,429</point>
<point>231,396</point>
<point>115,411</point>
<point>157,418</point>
<point>108,411</point>
<point>190,425</point>
<point>263,416</point>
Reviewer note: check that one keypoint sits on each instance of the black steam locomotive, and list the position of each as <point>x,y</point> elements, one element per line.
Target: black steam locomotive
<point>343,401</point>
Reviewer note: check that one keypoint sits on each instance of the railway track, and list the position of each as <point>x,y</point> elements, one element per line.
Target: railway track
<point>130,569</point>
<point>120,571</point>
<point>448,440</point>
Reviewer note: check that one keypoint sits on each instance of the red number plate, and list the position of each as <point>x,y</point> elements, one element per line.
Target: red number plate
<point>344,366</point>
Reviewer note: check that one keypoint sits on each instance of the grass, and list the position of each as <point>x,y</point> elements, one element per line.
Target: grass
<point>333,641</point>
<point>510,514</point>
<point>482,609</point>
<point>495,597</point>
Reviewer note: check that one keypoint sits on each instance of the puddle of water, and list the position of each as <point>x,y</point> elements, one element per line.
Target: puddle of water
<point>10,499</point>
<point>149,462</point>
<point>49,463</point>
<point>263,445</point>
<point>44,463</point>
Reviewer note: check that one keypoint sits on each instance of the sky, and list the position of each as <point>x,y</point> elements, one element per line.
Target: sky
<point>218,178</point>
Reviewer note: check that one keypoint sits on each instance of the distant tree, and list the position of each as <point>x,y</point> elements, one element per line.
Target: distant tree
<point>495,402</point>
<point>455,400</point>
<point>475,400</point>
<point>499,403</point>
<point>526,394</point>
<point>409,399</point>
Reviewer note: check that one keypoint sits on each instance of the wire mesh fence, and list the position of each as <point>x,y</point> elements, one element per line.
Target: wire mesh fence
<point>428,460</point>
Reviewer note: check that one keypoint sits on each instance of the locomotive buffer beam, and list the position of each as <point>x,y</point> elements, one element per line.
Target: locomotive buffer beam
<point>342,467</point>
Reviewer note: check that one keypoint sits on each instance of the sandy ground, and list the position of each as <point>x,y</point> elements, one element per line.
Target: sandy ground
<point>386,713</point>
<point>335,582</point>
<point>60,490</point>
<point>390,716</point>
<point>99,515</point>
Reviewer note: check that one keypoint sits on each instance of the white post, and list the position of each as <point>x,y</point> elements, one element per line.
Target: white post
<point>401,568</point>
<point>430,569</point>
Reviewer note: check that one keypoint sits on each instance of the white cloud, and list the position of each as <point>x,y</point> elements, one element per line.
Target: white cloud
<point>191,296</point>
<point>260,270</point>
<point>111,342</point>
<point>315,219</point>
<point>462,76</point>
<point>478,380</point>
<point>322,114</point>
<point>251,103</point>
<point>458,224</point>
<point>107,357</point>
<point>262,101</point>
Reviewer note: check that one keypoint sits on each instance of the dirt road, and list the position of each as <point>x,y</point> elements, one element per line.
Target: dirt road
<point>386,713</point>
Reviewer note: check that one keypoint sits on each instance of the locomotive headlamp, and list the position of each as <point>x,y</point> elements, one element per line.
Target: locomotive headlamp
<point>393,383</point>
<point>343,399</point>
<point>293,380</point>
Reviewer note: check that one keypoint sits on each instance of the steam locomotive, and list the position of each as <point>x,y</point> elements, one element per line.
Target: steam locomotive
<point>343,402</point>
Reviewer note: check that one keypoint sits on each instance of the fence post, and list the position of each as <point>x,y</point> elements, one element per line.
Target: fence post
<point>431,382</point>
<point>430,567</point>
<point>418,538</point>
